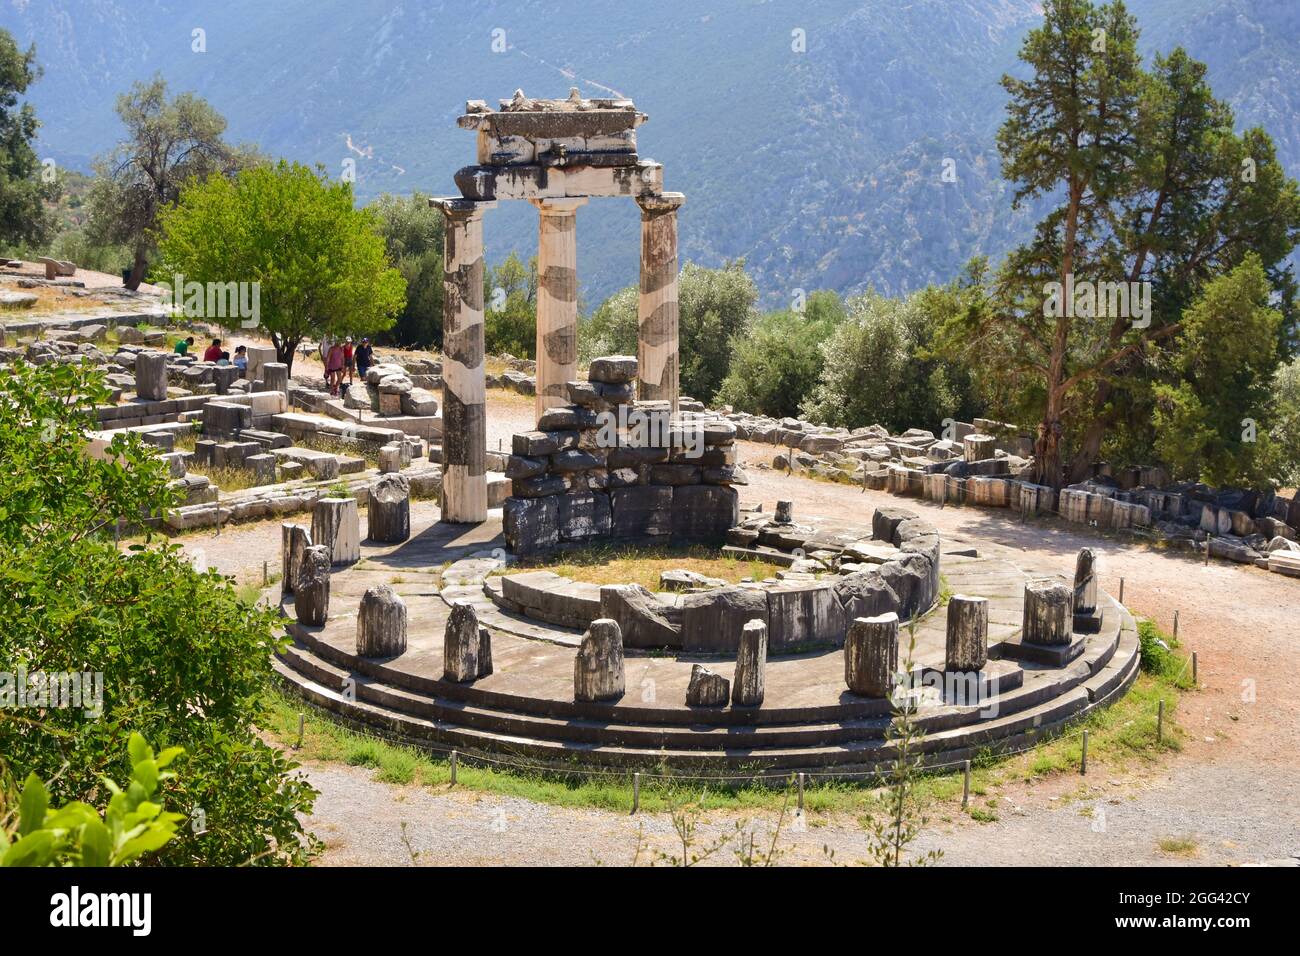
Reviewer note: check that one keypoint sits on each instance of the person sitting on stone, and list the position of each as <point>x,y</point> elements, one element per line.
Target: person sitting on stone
<point>240,360</point>
<point>213,351</point>
<point>183,346</point>
<point>224,359</point>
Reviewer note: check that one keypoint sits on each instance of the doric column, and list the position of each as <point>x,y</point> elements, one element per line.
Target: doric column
<point>557,300</point>
<point>656,341</point>
<point>464,416</point>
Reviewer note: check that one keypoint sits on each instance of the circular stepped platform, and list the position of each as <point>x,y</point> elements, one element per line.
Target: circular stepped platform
<point>525,712</point>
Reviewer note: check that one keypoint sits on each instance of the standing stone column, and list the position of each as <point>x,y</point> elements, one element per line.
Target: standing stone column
<point>381,623</point>
<point>336,523</point>
<point>598,668</point>
<point>388,515</point>
<point>871,655</point>
<point>464,443</point>
<point>1085,582</point>
<point>466,645</point>
<point>656,341</point>
<point>311,601</point>
<point>275,377</point>
<point>294,540</point>
<point>968,633</point>
<point>1048,618</point>
<point>151,376</point>
<point>751,661</point>
<point>557,300</point>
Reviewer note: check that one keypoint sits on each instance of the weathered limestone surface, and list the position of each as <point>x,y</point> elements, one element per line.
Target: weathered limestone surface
<point>706,688</point>
<point>336,523</point>
<point>275,377</point>
<point>643,619</point>
<point>381,623</point>
<point>151,376</point>
<point>466,645</point>
<point>557,300</point>
<point>751,662</point>
<point>598,667</point>
<point>389,510</point>
<point>312,589</point>
<point>871,655</point>
<point>294,540</point>
<point>1085,582</point>
<point>710,620</point>
<point>657,309</point>
<point>464,444</point>
<point>1048,616</point>
<point>968,633</point>
<point>784,512</point>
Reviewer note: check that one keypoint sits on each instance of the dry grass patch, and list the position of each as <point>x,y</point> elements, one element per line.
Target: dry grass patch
<point>629,564</point>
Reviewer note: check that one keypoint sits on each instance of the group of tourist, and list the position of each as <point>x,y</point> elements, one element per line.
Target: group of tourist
<point>215,353</point>
<point>343,360</point>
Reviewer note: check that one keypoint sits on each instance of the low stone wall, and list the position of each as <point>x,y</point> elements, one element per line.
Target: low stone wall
<point>896,570</point>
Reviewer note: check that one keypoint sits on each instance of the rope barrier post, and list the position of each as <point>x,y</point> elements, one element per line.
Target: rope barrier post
<point>1121,590</point>
<point>1083,758</point>
<point>1175,625</point>
<point>1160,722</point>
<point>453,768</point>
<point>1195,682</point>
<point>965,788</point>
<point>801,791</point>
<point>1208,539</point>
<point>266,573</point>
<point>636,793</point>
<point>302,719</point>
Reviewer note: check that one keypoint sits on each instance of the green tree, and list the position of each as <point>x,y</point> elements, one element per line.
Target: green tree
<point>510,308</point>
<point>412,232</point>
<point>182,659</point>
<point>1286,422</point>
<point>776,366</point>
<point>877,367</point>
<point>23,215</point>
<point>715,306</point>
<point>1150,189</point>
<point>1211,425</point>
<point>319,262</point>
<point>168,142</point>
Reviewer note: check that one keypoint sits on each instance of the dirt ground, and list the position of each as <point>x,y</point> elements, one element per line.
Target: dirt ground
<point>1233,790</point>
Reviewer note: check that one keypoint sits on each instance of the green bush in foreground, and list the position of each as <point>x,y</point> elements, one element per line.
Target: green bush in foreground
<point>156,646</point>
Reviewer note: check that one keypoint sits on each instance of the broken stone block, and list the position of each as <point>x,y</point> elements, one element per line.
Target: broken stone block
<point>381,623</point>
<point>262,467</point>
<point>388,513</point>
<point>711,621</point>
<point>613,369</point>
<point>294,541</point>
<point>706,688</point>
<point>1048,613</point>
<point>751,662</point>
<point>531,525</point>
<point>704,512</point>
<point>466,645</point>
<point>871,655</point>
<point>312,587</point>
<point>643,619</point>
<point>598,667</point>
<point>336,524</point>
<point>967,633</point>
<point>151,376</point>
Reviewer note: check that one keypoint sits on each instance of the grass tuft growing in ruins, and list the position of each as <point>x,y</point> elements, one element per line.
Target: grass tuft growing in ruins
<point>630,564</point>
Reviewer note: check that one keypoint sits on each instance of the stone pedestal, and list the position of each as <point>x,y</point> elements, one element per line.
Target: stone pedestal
<point>598,667</point>
<point>706,688</point>
<point>389,512</point>
<point>968,633</point>
<point>311,599</point>
<point>784,512</point>
<point>657,310</point>
<point>381,623</point>
<point>258,357</point>
<point>1048,616</point>
<point>466,646</point>
<point>390,459</point>
<point>275,377</point>
<point>336,524</point>
<point>871,655</point>
<point>464,442</point>
<point>557,301</point>
<point>751,662</point>
<point>978,447</point>
<point>1087,618</point>
<point>151,376</point>
<point>224,376</point>
<point>294,540</point>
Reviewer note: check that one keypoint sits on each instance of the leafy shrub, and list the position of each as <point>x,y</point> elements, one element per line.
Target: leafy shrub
<point>183,660</point>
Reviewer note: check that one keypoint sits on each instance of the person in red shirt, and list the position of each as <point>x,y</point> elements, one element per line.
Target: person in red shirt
<point>348,365</point>
<point>213,351</point>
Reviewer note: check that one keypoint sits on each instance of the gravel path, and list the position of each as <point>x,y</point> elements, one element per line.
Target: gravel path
<point>1234,789</point>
